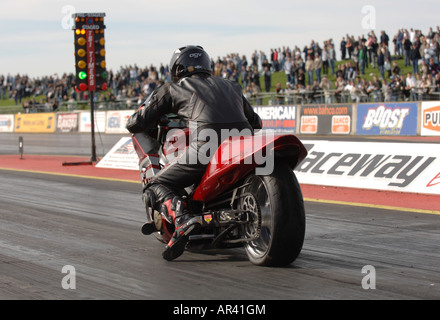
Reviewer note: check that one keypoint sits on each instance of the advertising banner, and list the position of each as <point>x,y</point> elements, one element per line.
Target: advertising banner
<point>116,121</point>
<point>67,122</point>
<point>404,167</point>
<point>387,119</point>
<point>35,122</point>
<point>278,118</point>
<point>85,123</point>
<point>121,156</point>
<point>6,122</point>
<point>326,119</point>
<point>430,118</point>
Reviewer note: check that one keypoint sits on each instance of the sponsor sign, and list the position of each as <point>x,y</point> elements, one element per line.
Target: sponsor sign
<point>121,156</point>
<point>309,124</point>
<point>35,122</point>
<point>326,119</point>
<point>387,119</point>
<point>67,122</point>
<point>116,121</point>
<point>341,124</point>
<point>6,122</point>
<point>277,118</point>
<point>430,118</point>
<point>405,167</point>
<point>85,123</point>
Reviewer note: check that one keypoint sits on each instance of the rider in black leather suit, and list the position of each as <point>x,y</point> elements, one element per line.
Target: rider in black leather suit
<point>204,102</point>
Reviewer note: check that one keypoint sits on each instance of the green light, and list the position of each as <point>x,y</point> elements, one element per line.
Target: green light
<point>104,75</point>
<point>82,75</point>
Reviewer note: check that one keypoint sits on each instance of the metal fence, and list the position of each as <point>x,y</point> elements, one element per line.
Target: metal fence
<point>269,98</point>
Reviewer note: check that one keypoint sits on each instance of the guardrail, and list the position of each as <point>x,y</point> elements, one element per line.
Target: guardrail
<point>302,97</point>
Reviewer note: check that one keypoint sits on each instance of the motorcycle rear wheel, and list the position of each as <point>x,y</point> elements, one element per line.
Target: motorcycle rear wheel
<point>282,224</point>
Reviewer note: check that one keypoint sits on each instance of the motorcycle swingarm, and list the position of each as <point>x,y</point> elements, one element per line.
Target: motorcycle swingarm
<point>226,221</point>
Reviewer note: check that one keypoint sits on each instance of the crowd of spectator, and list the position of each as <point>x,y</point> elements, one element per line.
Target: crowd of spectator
<point>307,74</point>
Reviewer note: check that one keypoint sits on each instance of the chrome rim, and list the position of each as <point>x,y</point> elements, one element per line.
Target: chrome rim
<point>260,201</point>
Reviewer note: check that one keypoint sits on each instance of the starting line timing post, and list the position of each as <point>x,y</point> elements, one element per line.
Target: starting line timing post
<point>90,65</point>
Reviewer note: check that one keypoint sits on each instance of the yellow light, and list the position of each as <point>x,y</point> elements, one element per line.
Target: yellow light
<point>102,64</point>
<point>83,31</point>
<point>82,64</point>
<point>81,41</point>
<point>102,41</point>
<point>77,31</point>
<point>102,52</point>
<point>81,52</point>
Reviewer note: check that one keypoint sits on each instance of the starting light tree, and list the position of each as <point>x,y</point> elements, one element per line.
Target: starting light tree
<point>90,65</point>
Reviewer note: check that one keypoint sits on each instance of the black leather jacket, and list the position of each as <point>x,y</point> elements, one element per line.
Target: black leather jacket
<point>211,101</point>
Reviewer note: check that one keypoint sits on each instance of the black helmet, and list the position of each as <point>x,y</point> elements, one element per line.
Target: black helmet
<point>189,60</point>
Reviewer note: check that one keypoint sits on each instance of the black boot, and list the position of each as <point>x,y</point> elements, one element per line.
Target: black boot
<point>185,226</point>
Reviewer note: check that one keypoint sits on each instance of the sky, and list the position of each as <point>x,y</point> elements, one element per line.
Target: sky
<point>36,36</point>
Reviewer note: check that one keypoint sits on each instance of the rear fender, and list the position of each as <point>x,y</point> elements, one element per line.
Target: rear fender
<point>238,156</point>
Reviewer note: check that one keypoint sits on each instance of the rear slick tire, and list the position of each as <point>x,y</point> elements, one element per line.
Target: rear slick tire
<point>283,222</point>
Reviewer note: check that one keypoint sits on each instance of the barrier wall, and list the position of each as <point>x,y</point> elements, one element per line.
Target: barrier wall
<point>384,119</point>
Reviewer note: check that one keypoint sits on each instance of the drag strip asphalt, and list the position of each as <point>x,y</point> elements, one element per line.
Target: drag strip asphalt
<point>49,222</point>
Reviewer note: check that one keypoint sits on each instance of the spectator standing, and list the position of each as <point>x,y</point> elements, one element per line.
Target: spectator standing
<point>326,86</point>
<point>324,58</point>
<point>406,50</point>
<point>310,69</point>
<point>255,78</point>
<point>363,58</point>
<point>349,47</point>
<point>267,74</point>
<point>414,56</point>
<point>244,77</point>
<point>317,66</point>
<point>343,48</point>
<point>411,84</point>
<point>399,41</point>
<point>384,39</point>
<point>331,57</point>
<point>288,69</point>
<point>381,63</point>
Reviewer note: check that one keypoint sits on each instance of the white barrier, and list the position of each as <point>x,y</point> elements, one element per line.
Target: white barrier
<point>6,123</point>
<point>121,156</point>
<point>404,167</point>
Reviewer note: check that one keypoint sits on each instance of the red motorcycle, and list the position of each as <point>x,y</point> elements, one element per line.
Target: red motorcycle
<point>240,200</point>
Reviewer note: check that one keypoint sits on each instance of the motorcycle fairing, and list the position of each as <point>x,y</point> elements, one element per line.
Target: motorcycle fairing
<point>237,156</point>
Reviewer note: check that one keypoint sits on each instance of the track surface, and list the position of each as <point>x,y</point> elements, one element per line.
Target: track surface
<point>49,221</point>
